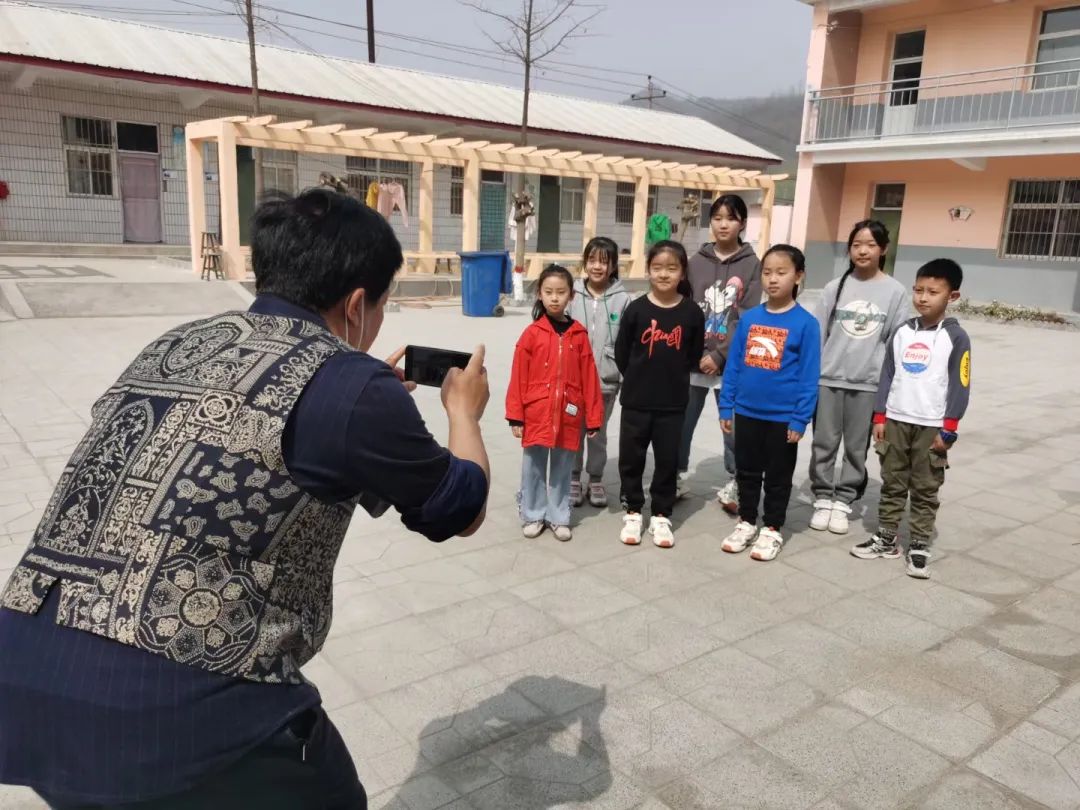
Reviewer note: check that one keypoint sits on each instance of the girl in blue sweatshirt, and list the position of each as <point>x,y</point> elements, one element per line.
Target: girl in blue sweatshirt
<point>768,396</point>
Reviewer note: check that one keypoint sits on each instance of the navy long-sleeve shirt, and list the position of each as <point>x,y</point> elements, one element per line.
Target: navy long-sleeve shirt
<point>87,719</point>
<point>773,368</point>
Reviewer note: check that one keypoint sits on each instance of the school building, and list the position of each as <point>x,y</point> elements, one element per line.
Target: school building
<point>92,138</point>
<point>956,122</point>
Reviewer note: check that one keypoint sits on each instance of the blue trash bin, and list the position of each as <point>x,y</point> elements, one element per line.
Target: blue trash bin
<point>483,279</point>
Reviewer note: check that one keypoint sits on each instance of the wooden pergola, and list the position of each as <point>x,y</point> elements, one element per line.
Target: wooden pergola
<point>266,132</point>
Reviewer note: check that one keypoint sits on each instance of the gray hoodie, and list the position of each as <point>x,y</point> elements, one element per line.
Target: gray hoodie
<point>724,289</point>
<point>601,317</point>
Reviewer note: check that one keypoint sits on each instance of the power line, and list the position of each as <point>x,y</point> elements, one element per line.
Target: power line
<point>685,95</point>
<point>548,66</point>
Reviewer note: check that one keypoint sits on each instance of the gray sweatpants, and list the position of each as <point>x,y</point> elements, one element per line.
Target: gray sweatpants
<point>843,416</point>
<point>597,445</point>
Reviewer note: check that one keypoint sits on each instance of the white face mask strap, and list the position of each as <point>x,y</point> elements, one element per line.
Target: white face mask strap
<point>347,325</point>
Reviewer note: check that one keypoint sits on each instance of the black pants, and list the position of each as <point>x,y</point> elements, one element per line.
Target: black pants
<point>304,766</point>
<point>763,452</point>
<point>639,429</point>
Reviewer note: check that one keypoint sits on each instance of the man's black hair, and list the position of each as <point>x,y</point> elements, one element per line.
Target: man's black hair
<point>945,269</point>
<point>317,247</point>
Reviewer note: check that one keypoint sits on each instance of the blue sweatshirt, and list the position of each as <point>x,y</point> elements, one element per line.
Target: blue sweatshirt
<point>773,368</point>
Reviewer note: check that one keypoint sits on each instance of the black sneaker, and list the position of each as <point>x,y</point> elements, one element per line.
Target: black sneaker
<point>876,547</point>
<point>918,560</point>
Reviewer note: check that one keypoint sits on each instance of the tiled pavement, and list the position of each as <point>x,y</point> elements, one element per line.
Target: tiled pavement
<point>497,673</point>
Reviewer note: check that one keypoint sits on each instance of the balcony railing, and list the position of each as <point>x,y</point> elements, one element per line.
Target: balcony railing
<point>1036,95</point>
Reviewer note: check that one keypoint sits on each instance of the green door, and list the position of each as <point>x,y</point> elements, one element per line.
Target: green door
<point>891,219</point>
<point>245,184</point>
<point>493,212</point>
<point>547,216</point>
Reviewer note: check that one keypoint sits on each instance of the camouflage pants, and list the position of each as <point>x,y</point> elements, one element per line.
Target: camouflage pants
<point>910,469</point>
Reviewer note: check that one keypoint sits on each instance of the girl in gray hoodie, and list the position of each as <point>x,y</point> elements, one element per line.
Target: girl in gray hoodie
<point>598,304</point>
<point>726,278</point>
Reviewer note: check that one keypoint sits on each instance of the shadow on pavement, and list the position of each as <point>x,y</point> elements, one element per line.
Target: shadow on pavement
<point>536,745</point>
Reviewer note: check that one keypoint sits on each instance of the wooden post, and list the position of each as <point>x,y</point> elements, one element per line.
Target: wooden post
<point>592,206</point>
<point>637,238</point>
<point>470,205</point>
<point>766,218</point>
<point>196,201</point>
<point>426,215</point>
<point>232,259</point>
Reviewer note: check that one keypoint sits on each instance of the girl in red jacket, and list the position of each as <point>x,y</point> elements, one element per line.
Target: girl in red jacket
<point>554,392</point>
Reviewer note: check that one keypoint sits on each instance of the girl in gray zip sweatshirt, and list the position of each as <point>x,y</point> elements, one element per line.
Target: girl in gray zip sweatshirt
<point>598,304</point>
<point>858,313</point>
<point>726,279</point>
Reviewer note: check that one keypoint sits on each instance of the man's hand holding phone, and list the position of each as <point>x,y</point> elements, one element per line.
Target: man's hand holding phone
<point>465,391</point>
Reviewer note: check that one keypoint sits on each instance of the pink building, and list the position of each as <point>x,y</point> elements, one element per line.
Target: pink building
<point>956,122</point>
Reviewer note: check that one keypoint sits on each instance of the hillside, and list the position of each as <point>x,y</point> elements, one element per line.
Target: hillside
<point>772,122</point>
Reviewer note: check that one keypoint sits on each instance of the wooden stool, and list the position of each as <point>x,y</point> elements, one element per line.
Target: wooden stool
<point>211,256</point>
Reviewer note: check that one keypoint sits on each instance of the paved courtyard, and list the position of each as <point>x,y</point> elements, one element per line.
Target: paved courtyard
<point>498,673</point>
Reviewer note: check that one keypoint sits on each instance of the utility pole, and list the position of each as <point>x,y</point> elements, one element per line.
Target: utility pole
<point>651,93</point>
<point>249,14</point>
<point>371,31</point>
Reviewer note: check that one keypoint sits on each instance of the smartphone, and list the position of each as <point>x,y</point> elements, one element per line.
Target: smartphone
<point>425,365</point>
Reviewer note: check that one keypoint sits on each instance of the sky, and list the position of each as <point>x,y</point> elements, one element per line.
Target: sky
<point>715,48</point>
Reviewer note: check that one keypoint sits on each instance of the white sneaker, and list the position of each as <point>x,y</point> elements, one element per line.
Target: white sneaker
<point>562,533</point>
<point>739,539</point>
<point>631,529</point>
<point>838,522</point>
<point>768,545</point>
<point>534,529</point>
<point>682,487</point>
<point>728,497</point>
<point>660,529</point>
<point>823,512</point>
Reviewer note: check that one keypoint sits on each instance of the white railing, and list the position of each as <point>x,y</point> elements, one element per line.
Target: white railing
<point>1036,95</point>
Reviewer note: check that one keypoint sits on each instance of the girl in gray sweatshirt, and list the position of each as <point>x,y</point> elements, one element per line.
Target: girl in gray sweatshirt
<point>598,304</point>
<point>858,313</point>
<point>726,279</point>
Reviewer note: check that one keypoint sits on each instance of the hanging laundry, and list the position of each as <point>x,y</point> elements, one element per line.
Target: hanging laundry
<point>372,198</point>
<point>511,225</point>
<point>659,227</point>
<point>391,196</point>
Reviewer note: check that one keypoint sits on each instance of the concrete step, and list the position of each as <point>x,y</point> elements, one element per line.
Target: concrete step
<point>127,251</point>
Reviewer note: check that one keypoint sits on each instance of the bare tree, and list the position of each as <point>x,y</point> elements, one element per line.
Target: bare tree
<point>533,33</point>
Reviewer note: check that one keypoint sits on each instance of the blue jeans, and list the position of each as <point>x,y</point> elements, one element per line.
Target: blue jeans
<point>544,496</point>
<point>694,406</point>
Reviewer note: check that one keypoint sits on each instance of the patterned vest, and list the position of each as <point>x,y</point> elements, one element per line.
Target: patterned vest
<point>175,526</point>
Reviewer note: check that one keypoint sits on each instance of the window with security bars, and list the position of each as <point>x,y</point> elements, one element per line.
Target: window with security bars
<point>624,203</point>
<point>88,153</point>
<point>572,201</point>
<point>279,170</point>
<point>1043,220</point>
<point>362,172</point>
<point>457,191</point>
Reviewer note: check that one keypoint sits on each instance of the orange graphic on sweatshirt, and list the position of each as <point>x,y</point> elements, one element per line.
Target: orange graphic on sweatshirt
<point>765,347</point>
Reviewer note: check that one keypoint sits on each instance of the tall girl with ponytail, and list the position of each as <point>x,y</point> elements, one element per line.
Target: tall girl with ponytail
<point>857,313</point>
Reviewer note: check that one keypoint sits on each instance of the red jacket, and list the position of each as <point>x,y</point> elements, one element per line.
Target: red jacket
<point>554,387</point>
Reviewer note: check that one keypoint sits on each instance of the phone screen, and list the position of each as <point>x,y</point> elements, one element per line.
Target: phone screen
<point>425,365</point>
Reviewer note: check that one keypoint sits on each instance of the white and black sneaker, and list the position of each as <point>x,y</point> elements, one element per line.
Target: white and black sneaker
<point>876,547</point>
<point>682,486</point>
<point>918,561</point>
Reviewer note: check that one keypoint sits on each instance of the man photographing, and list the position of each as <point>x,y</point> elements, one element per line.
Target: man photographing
<point>181,575</point>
